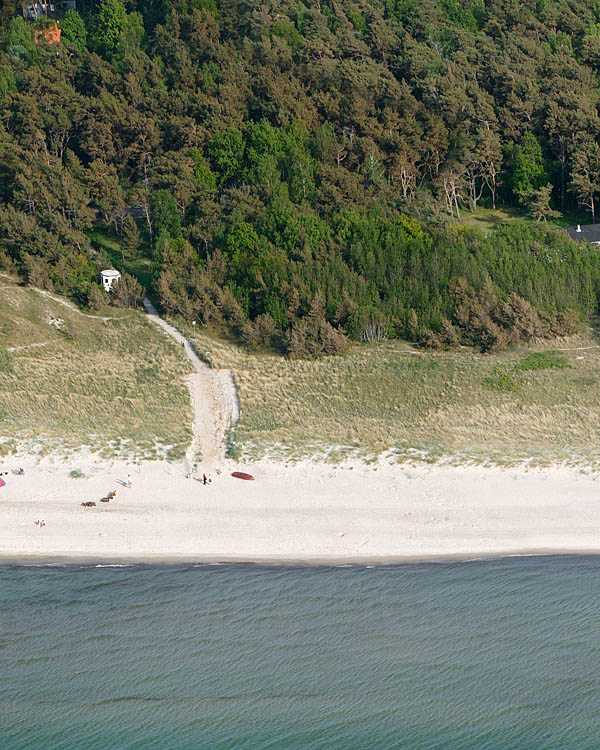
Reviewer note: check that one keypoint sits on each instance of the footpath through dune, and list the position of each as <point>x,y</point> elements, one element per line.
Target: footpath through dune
<point>214,402</point>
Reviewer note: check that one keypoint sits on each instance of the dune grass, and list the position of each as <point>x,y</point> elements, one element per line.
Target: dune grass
<point>69,380</point>
<point>534,404</point>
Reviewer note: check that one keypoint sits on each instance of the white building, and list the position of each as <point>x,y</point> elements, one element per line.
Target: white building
<point>108,278</point>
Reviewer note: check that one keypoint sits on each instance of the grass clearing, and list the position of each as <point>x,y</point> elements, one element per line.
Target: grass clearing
<point>115,386</point>
<point>487,219</point>
<point>140,267</point>
<point>461,405</point>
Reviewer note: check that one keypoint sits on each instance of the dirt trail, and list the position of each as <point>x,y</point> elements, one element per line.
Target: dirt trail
<point>214,402</point>
<point>26,346</point>
<point>64,302</point>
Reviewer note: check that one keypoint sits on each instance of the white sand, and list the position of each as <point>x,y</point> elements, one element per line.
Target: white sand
<point>306,513</point>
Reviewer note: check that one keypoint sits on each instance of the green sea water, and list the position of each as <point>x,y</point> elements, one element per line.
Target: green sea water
<point>485,654</point>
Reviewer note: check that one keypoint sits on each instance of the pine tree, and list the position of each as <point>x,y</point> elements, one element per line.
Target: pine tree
<point>130,238</point>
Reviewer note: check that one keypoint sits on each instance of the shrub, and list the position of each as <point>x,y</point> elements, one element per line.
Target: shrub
<point>97,298</point>
<point>500,380</point>
<point>312,335</point>
<point>430,340</point>
<point>232,449</point>
<point>6,360</point>
<point>542,361</point>
<point>126,292</point>
<point>260,332</point>
<point>448,334</point>
<point>176,453</point>
<point>564,323</point>
<point>520,319</point>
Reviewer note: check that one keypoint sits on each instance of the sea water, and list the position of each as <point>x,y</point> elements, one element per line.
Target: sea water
<point>487,654</point>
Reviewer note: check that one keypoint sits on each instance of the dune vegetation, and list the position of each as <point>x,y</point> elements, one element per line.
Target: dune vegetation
<point>539,404</point>
<point>110,382</point>
<point>114,383</point>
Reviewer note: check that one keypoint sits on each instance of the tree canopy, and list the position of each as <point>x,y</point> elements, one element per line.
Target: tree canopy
<point>296,170</point>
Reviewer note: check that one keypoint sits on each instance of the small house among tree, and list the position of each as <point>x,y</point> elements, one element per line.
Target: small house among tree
<point>33,11</point>
<point>588,233</point>
<point>108,278</point>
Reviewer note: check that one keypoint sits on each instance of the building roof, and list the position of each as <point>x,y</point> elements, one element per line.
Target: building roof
<point>110,273</point>
<point>588,232</point>
<point>51,34</point>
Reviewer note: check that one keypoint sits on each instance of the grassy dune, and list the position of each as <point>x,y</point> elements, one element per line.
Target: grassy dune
<point>537,403</point>
<point>72,380</point>
<point>116,385</point>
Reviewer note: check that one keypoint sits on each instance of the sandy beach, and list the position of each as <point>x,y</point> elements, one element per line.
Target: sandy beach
<point>307,513</point>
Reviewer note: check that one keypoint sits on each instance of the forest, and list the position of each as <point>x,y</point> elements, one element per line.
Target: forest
<point>296,173</point>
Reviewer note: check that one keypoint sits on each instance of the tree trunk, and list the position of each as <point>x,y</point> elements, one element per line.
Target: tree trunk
<point>472,194</point>
<point>456,202</point>
<point>562,182</point>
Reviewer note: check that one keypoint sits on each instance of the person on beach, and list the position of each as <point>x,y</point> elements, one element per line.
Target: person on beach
<point>204,480</point>
<point>129,480</point>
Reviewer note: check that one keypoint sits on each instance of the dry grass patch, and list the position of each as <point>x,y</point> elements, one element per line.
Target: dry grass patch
<point>115,385</point>
<point>389,397</point>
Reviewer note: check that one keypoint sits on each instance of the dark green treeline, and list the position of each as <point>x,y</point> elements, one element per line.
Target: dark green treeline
<point>294,171</point>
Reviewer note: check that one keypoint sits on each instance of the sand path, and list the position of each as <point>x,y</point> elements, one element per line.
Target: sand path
<point>214,403</point>
<point>60,300</point>
<point>214,396</point>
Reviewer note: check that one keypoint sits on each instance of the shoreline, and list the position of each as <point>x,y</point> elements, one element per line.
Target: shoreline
<point>309,514</point>
<point>266,562</point>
